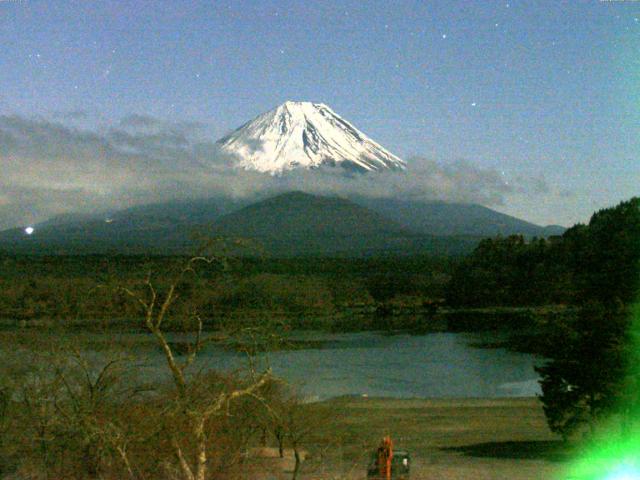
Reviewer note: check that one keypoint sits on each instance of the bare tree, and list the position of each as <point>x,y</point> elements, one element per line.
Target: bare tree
<point>288,419</point>
<point>37,389</point>
<point>92,395</point>
<point>298,426</point>
<point>191,450</point>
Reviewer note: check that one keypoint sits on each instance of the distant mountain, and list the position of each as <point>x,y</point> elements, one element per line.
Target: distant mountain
<point>305,135</point>
<point>553,230</point>
<point>297,223</point>
<point>98,236</point>
<point>190,212</point>
<point>70,218</point>
<point>303,215</point>
<point>439,218</point>
<point>162,228</point>
<point>289,224</point>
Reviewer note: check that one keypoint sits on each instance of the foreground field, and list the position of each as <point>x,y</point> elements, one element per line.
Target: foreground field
<point>448,439</point>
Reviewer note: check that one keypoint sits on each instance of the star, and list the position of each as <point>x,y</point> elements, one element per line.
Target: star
<point>444,35</point>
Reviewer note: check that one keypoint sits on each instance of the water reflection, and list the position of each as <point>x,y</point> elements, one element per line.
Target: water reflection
<point>434,365</point>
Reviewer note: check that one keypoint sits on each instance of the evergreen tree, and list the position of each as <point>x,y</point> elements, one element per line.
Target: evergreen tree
<point>586,374</point>
<point>589,373</point>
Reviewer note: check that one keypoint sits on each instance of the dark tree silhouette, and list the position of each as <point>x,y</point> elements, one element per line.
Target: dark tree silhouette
<point>590,371</point>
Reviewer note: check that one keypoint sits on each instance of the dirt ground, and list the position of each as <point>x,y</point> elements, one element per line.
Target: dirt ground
<point>473,439</point>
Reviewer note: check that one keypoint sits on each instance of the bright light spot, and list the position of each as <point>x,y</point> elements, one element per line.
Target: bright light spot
<point>444,35</point>
<point>29,230</point>
<point>624,472</point>
<point>108,220</point>
<point>473,104</point>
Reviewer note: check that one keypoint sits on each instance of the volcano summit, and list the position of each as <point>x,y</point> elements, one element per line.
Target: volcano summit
<point>305,135</point>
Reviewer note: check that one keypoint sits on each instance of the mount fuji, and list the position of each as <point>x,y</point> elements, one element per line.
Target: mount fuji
<point>292,136</point>
<point>305,135</point>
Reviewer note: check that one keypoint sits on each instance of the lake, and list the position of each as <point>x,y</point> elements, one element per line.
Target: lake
<point>400,365</point>
<point>325,365</point>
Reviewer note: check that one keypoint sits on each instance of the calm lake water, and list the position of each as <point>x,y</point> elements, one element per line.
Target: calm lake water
<point>373,364</point>
<point>432,365</point>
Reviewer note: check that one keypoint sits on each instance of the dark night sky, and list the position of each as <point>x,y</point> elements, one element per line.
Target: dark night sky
<point>530,107</point>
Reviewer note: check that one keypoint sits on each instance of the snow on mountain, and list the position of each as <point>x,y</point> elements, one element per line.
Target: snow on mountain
<point>304,135</point>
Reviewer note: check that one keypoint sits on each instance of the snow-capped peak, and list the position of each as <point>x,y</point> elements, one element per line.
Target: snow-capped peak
<point>307,135</point>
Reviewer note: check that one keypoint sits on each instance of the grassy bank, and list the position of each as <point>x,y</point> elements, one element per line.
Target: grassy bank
<point>447,438</point>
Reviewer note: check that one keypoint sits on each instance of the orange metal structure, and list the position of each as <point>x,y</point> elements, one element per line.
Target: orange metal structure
<point>385,455</point>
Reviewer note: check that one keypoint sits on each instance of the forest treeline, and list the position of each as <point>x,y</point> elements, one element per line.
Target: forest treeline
<point>593,262</point>
<point>82,289</point>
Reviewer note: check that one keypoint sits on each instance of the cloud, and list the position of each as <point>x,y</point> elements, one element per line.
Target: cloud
<point>50,167</point>
<point>146,123</point>
<point>533,185</point>
<point>139,121</point>
<point>425,180</point>
<point>72,115</point>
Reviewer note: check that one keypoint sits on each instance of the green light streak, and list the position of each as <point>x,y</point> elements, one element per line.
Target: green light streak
<point>615,454</point>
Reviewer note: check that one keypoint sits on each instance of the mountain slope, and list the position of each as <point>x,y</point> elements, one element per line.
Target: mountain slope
<point>439,218</point>
<point>304,135</point>
<point>290,224</point>
<point>162,228</point>
<point>297,223</point>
